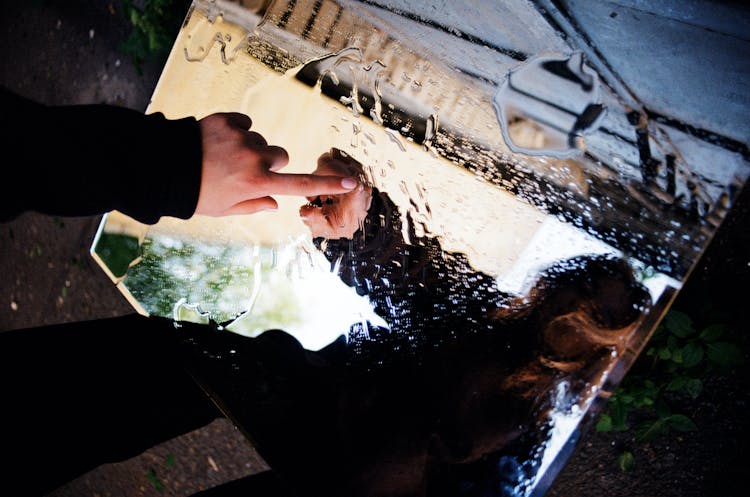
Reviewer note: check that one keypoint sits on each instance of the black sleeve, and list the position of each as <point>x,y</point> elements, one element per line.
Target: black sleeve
<point>82,160</point>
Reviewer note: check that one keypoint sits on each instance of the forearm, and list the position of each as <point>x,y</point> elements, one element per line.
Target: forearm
<point>90,159</point>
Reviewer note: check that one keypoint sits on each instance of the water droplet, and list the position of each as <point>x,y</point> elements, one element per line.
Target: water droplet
<point>395,138</point>
<point>356,130</point>
<point>431,129</point>
<point>546,105</point>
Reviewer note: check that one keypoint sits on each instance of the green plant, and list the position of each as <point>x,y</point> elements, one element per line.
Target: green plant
<point>677,360</point>
<point>626,461</point>
<point>155,25</point>
<point>155,480</point>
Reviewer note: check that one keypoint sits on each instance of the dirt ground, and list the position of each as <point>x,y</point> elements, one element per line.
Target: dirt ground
<point>67,52</point>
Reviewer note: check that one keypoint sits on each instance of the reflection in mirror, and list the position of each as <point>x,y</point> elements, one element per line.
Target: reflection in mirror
<point>521,225</point>
<point>547,104</point>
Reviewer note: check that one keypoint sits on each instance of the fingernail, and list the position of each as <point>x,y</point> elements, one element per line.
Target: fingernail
<point>349,183</point>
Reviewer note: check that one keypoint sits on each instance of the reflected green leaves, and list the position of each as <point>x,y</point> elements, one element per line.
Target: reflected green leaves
<point>173,271</point>
<point>117,251</point>
<point>245,287</point>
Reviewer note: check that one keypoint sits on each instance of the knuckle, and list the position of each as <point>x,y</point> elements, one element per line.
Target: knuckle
<point>306,182</point>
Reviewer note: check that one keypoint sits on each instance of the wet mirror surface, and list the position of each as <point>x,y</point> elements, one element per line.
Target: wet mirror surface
<point>527,212</point>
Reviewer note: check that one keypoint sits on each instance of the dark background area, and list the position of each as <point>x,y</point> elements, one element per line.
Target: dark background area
<point>68,52</point>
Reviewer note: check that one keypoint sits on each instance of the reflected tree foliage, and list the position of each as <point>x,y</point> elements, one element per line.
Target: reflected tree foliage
<point>173,271</point>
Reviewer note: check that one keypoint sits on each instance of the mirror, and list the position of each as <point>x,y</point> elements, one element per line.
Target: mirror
<point>528,211</point>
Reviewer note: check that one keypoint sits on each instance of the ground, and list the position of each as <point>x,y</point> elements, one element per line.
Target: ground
<point>68,52</point>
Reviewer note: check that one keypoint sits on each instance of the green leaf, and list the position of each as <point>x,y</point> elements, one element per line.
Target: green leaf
<point>605,423</point>
<point>694,388</point>
<point>680,422</point>
<point>686,385</point>
<point>679,324</point>
<point>626,461</point>
<point>626,398</point>
<point>662,409</point>
<point>651,430</point>
<point>678,384</point>
<point>619,416</point>
<point>659,332</point>
<point>713,332</point>
<point>692,354</point>
<point>725,354</point>
<point>154,480</point>
<point>677,356</point>
<point>665,353</point>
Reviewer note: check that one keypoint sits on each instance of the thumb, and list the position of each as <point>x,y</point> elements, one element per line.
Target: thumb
<point>252,206</point>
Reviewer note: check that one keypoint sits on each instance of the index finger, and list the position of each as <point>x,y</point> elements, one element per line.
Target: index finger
<point>309,185</point>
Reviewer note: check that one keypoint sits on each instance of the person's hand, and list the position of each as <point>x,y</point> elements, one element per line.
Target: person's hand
<point>337,216</point>
<point>239,172</point>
